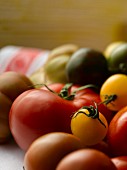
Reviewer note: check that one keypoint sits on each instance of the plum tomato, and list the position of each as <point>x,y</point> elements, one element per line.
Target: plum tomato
<point>46,151</point>
<point>86,159</point>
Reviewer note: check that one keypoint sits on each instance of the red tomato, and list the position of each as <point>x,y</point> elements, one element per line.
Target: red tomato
<point>120,162</point>
<point>117,133</point>
<point>86,159</point>
<point>84,97</point>
<point>39,111</point>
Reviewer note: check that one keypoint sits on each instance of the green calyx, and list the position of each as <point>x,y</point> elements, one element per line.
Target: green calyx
<point>109,99</point>
<point>64,93</point>
<point>93,113</point>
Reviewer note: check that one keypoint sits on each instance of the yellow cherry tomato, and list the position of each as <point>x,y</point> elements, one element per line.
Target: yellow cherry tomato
<point>113,92</point>
<point>89,125</point>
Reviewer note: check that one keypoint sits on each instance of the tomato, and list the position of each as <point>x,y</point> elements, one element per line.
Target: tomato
<point>89,125</point>
<point>86,159</point>
<point>120,162</point>
<point>117,60</point>
<point>84,97</point>
<point>12,84</point>
<point>113,92</point>
<point>117,133</point>
<point>39,111</point>
<point>87,66</point>
<point>111,47</point>
<point>46,151</point>
<point>5,105</point>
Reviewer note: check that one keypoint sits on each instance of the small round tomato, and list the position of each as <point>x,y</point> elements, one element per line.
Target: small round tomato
<point>113,92</point>
<point>120,162</point>
<point>89,125</point>
<point>117,133</point>
<point>46,151</point>
<point>86,159</point>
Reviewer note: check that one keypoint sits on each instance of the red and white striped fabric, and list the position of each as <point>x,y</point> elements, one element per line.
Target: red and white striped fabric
<point>22,59</point>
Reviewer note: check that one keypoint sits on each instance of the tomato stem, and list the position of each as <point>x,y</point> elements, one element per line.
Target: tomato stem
<point>93,112</point>
<point>109,99</point>
<point>65,94</point>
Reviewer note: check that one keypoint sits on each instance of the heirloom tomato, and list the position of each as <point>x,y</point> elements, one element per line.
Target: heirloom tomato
<point>46,151</point>
<point>117,133</point>
<point>87,65</point>
<point>86,159</point>
<point>41,110</point>
<point>114,92</point>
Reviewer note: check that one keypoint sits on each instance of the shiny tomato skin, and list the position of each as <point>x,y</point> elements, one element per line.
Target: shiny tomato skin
<point>88,129</point>
<point>117,133</point>
<point>86,159</point>
<point>84,97</point>
<point>46,151</point>
<point>115,85</point>
<point>54,86</point>
<point>43,112</point>
<point>40,111</point>
<point>120,162</point>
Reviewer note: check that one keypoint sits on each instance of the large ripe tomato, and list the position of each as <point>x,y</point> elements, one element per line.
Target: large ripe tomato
<point>46,151</point>
<point>89,125</point>
<point>86,159</point>
<point>120,162</point>
<point>114,92</point>
<point>117,133</point>
<point>39,111</point>
<point>85,97</point>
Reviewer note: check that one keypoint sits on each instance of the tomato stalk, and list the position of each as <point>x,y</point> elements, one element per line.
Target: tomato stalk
<point>93,112</point>
<point>109,99</point>
<point>64,93</point>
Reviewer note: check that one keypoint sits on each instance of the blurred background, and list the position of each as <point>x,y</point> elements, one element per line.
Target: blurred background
<point>50,23</point>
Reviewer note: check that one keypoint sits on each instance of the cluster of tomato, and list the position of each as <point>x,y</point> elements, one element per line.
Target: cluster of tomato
<point>73,126</point>
<point>41,120</point>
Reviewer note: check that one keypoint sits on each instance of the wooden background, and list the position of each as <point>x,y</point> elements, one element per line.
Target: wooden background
<point>50,23</point>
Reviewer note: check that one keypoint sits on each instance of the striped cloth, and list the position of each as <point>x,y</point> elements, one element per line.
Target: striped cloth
<point>22,59</point>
